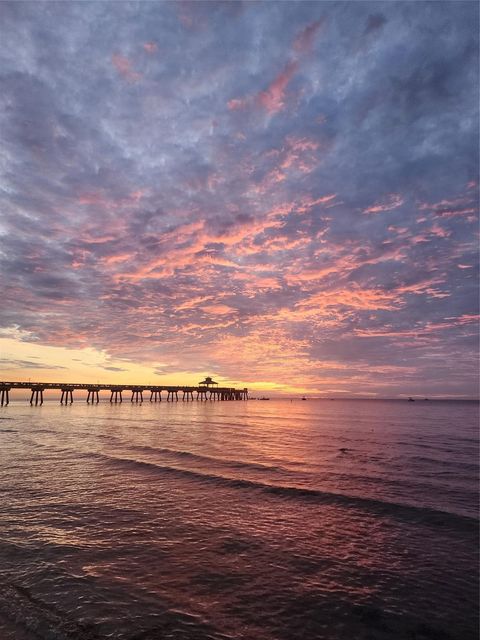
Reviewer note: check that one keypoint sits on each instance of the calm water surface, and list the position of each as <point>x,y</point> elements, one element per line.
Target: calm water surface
<point>250,520</point>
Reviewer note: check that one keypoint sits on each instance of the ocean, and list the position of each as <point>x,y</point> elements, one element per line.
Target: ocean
<point>247,520</point>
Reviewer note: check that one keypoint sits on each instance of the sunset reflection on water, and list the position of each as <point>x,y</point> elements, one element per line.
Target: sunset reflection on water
<point>256,519</point>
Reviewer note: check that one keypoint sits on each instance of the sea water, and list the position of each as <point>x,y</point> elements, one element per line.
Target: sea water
<point>251,520</point>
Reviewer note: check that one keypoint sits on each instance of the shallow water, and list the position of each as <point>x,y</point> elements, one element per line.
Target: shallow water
<point>250,520</point>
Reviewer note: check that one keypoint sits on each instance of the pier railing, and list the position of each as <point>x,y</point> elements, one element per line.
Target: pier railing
<point>116,391</point>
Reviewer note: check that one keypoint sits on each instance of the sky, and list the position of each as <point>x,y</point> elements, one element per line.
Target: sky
<point>283,195</point>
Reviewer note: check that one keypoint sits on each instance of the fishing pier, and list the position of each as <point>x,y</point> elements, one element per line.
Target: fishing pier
<point>208,389</point>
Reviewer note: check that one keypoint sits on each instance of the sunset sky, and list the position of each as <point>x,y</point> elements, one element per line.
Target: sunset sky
<point>281,195</point>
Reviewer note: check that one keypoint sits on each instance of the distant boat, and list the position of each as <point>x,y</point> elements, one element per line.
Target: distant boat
<point>264,398</point>
<point>303,398</point>
<point>411,400</point>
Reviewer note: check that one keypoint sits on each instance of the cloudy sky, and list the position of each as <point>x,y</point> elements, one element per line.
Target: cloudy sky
<point>283,194</point>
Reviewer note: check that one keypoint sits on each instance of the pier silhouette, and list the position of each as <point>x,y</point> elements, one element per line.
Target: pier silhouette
<point>208,389</point>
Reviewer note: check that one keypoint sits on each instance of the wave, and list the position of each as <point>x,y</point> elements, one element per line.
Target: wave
<point>205,458</point>
<point>240,464</point>
<point>409,513</point>
<point>467,466</point>
<point>35,431</point>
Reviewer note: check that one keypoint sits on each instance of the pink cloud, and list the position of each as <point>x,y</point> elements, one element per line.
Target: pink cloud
<point>398,230</point>
<point>393,201</point>
<point>300,153</point>
<point>150,47</point>
<point>300,274</point>
<point>254,283</point>
<point>304,41</point>
<point>425,287</point>
<point>186,247</point>
<point>356,298</point>
<point>469,213</point>
<point>137,195</point>
<point>99,200</point>
<point>284,243</point>
<point>237,103</point>
<point>121,257</point>
<point>218,309</point>
<point>312,275</point>
<point>273,98</point>
<point>79,258</point>
<point>299,145</point>
<point>440,232</point>
<point>419,331</point>
<point>455,207</point>
<point>308,202</point>
<point>124,68</point>
<point>193,302</point>
<point>466,318</point>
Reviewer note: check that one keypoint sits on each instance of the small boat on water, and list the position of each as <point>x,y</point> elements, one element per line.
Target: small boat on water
<point>411,400</point>
<point>264,398</point>
<point>303,398</point>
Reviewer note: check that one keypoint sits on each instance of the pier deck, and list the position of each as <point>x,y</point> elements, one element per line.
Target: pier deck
<point>116,391</point>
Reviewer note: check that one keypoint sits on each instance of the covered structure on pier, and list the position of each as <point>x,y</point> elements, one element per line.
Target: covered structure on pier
<point>208,382</point>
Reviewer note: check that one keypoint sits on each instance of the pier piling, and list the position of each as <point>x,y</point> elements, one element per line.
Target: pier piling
<point>116,395</point>
<point>93,396</point>
<point>4,398</point>
<point>67,395</point>
<point>137,395</point>
<point>37,395</point>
